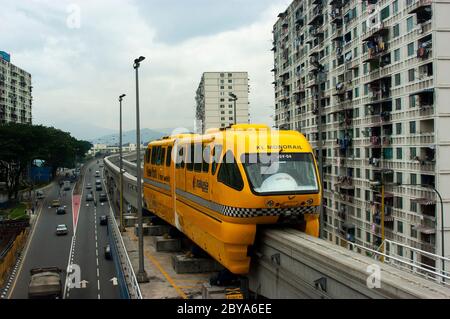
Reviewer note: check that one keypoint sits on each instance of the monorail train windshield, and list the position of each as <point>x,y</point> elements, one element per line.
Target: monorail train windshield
<point>282,173</point>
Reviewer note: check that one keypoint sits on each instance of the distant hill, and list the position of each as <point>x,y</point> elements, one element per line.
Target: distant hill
<point>147,135</point>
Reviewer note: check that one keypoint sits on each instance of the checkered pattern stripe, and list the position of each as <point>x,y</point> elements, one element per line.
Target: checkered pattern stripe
<point>266,212</point>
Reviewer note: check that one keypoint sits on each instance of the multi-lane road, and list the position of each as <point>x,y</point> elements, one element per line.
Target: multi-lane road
<point>83,246</point>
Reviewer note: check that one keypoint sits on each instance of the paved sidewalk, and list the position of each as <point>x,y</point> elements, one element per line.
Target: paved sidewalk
<point>164,282</point>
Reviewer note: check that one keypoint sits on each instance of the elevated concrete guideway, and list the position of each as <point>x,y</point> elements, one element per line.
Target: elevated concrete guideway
<point>291,264</point>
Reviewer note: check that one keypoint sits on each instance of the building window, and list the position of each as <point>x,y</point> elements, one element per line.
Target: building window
<point>396,30</point>
<point>397,79</point>
<point>397,55</point>
<point>400,227</point>
<point>400,179</point>
<point>384,14</point>
<point>413,207</point>
<point>395,7</point>
<point>413,232</point>
<point>398,104</point>
<point>412,127</point>
<point>411,76</point>
<point>398,128</point>
<point>222,87</point>
<point>411,49</point>
<point>413,179</point>
<point>413,152</point>
<point>356,92</point>
<point>409,24</point>
<point>412,101</point>
<point>368,237</point>
<point>358,232</point>
<point>400,250</point>
<point>399,153</point>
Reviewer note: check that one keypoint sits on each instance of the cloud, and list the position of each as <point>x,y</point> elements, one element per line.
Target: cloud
<point>78,74</point>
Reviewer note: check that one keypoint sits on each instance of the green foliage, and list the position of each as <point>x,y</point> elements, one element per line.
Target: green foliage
<point>18,212</point>
<point>20,144</point>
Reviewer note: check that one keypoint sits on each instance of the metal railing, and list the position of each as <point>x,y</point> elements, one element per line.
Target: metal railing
<point>413,266</point>
<point>127,268</point>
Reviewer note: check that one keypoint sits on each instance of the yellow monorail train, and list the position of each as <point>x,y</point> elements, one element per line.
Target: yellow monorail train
<point>215,188</point>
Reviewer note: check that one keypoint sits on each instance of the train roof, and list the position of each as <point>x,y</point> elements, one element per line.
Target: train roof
<point>220,134</point>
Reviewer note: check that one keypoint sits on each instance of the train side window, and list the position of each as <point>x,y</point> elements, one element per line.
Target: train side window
<point>147,155</point>
<point>183,161</point>
<point>217,151</point>
<point>154,153</point>
<point>229,173</point>
<point>206,158</point>
<point>198,155</point>
<point>190,158</point>
<point>162,156</point>
<point>169,156</point>
<point>180,158</point>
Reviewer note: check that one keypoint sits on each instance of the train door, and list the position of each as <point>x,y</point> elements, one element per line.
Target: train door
<point>180,168</point>
<point>190,157</point>
<point>216,156</point>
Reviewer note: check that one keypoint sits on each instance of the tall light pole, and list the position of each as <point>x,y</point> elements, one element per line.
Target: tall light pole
<point>122,228</point>
<point>234,98</point>
<point>142,275</point>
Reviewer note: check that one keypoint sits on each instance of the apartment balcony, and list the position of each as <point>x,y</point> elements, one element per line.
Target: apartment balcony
<point>380,96</point>
<point>375,141</point>
<point>419,5</point>
<point>316,16</point>
<point>345,183</point>
<point>380,30</point>
<point>312,82</point>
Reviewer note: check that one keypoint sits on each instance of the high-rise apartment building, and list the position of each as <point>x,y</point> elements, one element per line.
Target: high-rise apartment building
<point>15,92</point>
<point>215,106</point>
<point>368,83</point>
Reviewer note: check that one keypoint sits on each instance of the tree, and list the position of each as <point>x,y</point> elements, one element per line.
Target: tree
<point>21,144</point>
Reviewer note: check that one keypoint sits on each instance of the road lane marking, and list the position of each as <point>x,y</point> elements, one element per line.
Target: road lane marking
<point>98,273</point>
<point>97,262</point>
<point>98,285</point>
<point>22,261</point>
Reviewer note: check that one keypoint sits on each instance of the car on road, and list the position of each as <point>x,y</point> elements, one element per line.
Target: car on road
<point>61,210</point>
<point>103,198</point>
<point>89,186</point>
<point>103,220</point>
<point>101,165</point>
<point>40,195</point>
<point>67,186</point>
<point>108,254</point>
<point>62,230</point>
<point>56,203</point>
<point>98,188</point>
<point>89,198</point>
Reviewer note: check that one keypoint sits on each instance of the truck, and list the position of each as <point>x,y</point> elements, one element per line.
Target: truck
<point>46,283</point>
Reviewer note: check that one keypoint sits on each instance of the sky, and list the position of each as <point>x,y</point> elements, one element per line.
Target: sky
<point>80,55</point>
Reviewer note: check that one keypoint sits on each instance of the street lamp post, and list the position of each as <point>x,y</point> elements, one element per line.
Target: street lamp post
<point>122,228</point>
<point>142,275</point>
<point>234,98</point>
